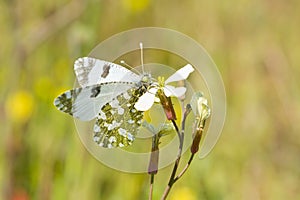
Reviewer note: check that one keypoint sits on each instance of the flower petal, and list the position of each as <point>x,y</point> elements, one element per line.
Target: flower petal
<point>174,91</point>
<point>179,91</point>
<point>168,90</point>
<point>181,74</point>
<point>146,100</point>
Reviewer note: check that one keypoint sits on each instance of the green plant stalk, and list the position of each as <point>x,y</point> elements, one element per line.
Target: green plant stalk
<point>172,179</point>
<point>153,163</point>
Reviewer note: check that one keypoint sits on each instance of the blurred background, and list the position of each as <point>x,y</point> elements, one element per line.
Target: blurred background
<point>254,43</point>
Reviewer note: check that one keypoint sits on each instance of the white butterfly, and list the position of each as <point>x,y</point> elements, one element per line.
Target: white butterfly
<point>109,93</point>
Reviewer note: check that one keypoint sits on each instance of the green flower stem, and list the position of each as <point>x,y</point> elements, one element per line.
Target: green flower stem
<point>153,163</point>
<point>176,164</point>
<point>185,168</point>
<point>194,149</point>
<point>180,134</point>
<point>154,157</point>
<point>151,186</point>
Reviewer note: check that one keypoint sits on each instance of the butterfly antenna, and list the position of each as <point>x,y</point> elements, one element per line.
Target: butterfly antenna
<point>142,57</point>
<point>124,63</point>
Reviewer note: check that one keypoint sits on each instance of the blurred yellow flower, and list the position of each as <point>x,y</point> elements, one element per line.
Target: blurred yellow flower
<point>19,106</point>
<point>135,5</point>
<point>183,193</point>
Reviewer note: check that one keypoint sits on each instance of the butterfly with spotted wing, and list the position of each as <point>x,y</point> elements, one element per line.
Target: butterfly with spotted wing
<point>116,97</point>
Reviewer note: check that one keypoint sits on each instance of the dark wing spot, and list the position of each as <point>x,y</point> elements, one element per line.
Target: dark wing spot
<point>106,69</point>
<point>95,91</point>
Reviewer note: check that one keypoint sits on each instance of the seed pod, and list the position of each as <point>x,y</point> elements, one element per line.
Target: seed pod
<point>196,141</point>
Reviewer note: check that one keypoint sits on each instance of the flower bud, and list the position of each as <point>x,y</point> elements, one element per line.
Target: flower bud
<point>202,112</point>
<point>200,106</point>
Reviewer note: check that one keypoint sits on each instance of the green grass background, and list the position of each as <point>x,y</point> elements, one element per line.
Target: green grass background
<point>254,43</point>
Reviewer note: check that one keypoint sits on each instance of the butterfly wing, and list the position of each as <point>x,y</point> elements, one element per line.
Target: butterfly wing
<point>118,120</point>
<point>91,71</point>
<point>85,103</point>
